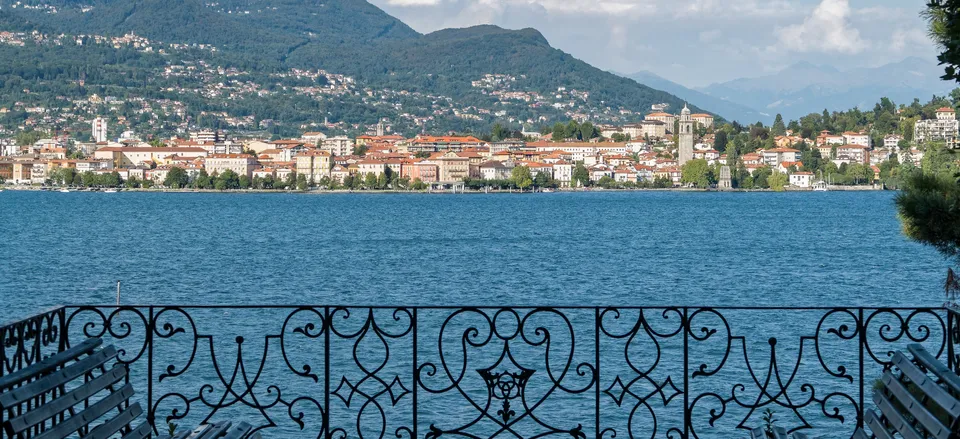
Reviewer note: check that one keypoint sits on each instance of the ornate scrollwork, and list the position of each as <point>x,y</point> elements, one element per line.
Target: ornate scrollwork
<point>28,341</point>
<point>610,373</point>
<point>506,390</point>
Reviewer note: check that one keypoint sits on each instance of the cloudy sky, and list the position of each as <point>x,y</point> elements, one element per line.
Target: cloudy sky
<point>697,42</point>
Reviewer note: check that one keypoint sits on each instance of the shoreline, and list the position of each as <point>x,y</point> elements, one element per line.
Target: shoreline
<point>435,192</point>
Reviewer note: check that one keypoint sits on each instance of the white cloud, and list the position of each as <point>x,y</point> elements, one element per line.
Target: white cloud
<point>907,39</point>
<point>827,29</point>
<point>710,35</point>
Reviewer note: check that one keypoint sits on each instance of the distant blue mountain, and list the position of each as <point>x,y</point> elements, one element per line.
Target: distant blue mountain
<point>805,88</point>
<point>727,109</point>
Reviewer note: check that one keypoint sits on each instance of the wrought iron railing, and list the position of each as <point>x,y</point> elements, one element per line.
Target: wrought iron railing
<point>428,372</point>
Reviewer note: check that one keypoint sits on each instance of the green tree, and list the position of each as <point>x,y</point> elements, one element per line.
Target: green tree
<point>929,209</point>
<point>943,18</point>
<point>607,182</point>
<point>521,177</point>
<point>227,180</point>
<point>620,137</point>
<point>245,182</point>
<point>176,178</point>
<point>302,182</point>
<point>370,181</point>
<point>580,176</point>
<point>418,185</point>
<point>720,141</point>
<point>777,181</point>
<point>360,150</point>
<point>499,132</point>
<point>778,128</point>
<point>696,173</point>
<point>203,180</point>
<point>382,181</point>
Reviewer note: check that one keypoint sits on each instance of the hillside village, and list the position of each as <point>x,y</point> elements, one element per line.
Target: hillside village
<point>663,150</point>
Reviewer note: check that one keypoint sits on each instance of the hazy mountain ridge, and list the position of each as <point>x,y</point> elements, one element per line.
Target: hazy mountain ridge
<point>805,88</point>
<point>727,109</point>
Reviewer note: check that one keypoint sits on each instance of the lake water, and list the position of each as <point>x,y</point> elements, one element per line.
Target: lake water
<point>638,249</point>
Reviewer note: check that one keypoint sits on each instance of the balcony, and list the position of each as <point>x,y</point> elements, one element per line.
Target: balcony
<point>430,372</point>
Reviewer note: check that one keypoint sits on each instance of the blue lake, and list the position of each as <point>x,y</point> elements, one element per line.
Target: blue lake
<point>638,249</point>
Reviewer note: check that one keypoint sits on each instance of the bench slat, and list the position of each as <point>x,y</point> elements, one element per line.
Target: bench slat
<point>142,432</point>
<point>927,385</point>
<point>238,431</point>
<point>66,401</point>
<point>780,433</point>
<point>894,417</point>
<point>926,419</point>
<point>216,431</point>
<point>935,366</point>
<point>109,428</point>
<point>873,421</point>
<point>90,414</point>
<point>859,434</point>
<point>800,436</point>
<point>56,379</point>
<point>48,364</point>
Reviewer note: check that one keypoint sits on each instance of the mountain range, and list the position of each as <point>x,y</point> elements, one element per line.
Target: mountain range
<point>805,88</point>
<point>349,37</point>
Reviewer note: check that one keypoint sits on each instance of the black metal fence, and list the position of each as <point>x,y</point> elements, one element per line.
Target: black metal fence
<point>482,372</point>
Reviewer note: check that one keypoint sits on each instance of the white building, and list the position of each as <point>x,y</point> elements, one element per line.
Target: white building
<point>776,156</point>
<point>944,128</point>
<point>801,179</point>
<point>99,130</point>
<point>852,138</point>
<point>337,146</point>
<point>891,141</point>
<point>496,170</point>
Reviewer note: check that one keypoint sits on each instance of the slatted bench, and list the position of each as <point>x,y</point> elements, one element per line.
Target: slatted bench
<point>921,401</point>
<point>73,394</point>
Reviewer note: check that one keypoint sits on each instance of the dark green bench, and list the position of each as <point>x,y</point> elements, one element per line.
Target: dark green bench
<point>73,394</point>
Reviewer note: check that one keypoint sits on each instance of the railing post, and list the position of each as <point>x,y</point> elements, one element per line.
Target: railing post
<point>685,327</point>
<point>951,339</point>
<point>862,337</point>
<point>62,343</point>
<point>326,375</point>
<point>416,375</point>
<point>151,415</point>
<point>596,347</point>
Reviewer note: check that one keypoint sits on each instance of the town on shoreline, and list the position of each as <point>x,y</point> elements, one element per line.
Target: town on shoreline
<point>663,152</point>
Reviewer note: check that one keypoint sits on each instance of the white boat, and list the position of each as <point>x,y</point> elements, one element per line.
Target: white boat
<point>820,186</point>
<point>65,190</point>
<point>110,191</point>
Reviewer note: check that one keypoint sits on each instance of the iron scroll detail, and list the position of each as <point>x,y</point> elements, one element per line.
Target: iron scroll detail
<point>496,372</point>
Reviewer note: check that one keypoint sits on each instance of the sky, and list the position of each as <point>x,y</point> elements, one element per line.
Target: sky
<point>697,42</point>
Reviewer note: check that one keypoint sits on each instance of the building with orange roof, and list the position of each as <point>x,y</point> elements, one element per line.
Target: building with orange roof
<point>242,164</point>
<point>775,156</point>
<point>314,164</point>
<point>122,156</point>
<point>703,119</point>
<point>944,128</point>
<point>441,143</point>
<point>667,118</point>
